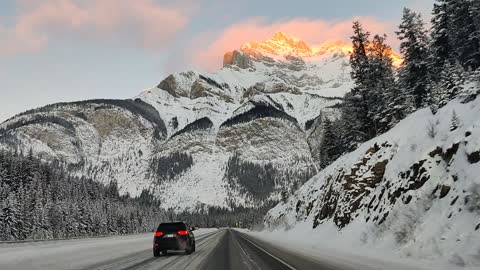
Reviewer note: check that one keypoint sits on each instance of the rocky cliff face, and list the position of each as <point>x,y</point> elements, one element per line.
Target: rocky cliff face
<point>237,136</point>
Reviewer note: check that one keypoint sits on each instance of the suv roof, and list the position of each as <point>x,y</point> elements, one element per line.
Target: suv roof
<point>172,226</point>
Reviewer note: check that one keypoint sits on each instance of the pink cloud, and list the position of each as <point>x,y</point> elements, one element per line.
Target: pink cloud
<point>210,54</point>
<point>138,22</point>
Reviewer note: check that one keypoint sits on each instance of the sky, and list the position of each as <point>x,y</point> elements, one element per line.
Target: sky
<point>66,50</point>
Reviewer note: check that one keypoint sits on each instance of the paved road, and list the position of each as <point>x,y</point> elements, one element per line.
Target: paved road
<point>238,251</point>
<point>174,260</point>
<point>221,250</point>
<point>215,250</point>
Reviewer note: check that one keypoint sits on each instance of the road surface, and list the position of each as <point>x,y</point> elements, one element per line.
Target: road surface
<point>215,249</point>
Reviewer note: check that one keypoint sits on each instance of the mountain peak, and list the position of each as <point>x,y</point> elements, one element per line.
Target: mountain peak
<point>281,36</point>
<point>283,46</point>
<point>280,44</point>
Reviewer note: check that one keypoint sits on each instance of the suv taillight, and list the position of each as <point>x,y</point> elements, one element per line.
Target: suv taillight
<point>182,232</point>
<point>158,234</point>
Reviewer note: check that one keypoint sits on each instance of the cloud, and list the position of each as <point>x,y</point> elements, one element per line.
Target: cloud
<point>138,22</point>
<point>210,47</point>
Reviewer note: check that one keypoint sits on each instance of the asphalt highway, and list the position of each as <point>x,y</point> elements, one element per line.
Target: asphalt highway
<point>222,249</point>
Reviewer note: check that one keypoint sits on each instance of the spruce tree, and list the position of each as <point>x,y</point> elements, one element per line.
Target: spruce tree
<point>454,122</point>
<point>475,13</point>
<point>329,149</point>
<point>449,86</point>
<point>464,33</point>
<point>440,46</point>
<point>359,126</point>
<point>10,219</point>
<point>471,89</point>
<point>384,101</point>
<point>414,47</point>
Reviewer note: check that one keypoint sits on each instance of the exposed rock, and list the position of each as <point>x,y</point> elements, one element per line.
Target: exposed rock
<point>205,87</point>
<point>447,155</point>
<point>474,157</point>
<point>199,124</point>
<point>170,85</point>
<point>236,58</point>
<point>451,152</point>
<point>454,200</point>
<point>444,191</point>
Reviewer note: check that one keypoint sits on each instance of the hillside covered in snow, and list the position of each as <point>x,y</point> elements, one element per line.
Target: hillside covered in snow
<point>414,189</point>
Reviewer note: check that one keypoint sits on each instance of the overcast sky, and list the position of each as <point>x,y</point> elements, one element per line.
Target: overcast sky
<point>65,50</point>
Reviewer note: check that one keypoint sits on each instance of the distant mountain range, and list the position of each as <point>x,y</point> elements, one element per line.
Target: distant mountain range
<point>239,136</point>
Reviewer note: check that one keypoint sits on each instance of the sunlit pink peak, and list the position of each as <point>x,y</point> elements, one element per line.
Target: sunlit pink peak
<point>279,44</point>
<point>282,45</point>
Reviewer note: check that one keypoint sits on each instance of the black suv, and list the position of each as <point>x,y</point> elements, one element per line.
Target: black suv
<point>173,236</point>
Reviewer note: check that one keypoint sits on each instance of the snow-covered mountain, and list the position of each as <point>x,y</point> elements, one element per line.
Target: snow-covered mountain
<point>237,136</point>
<point>414,189</point>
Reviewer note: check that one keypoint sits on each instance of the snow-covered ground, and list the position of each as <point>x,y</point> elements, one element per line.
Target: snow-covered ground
<point>306,241</point>
<point>78,253</point>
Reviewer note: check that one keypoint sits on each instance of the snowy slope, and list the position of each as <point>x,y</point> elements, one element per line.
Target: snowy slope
<point>413,190</point>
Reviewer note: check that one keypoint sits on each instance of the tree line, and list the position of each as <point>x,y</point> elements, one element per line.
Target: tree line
<point>436,63</point>
<point>42,201</point>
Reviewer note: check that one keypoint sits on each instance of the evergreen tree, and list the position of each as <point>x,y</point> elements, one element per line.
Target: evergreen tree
<point>414,47</point>
<point>475,13</point>
<point>366,110</point>
<point>440,46</point>
<point>359,58</point>
<point>10,219</point>
<point>464,33</point>
<point>329,148</point>
<point>385,102</point>
<point>449,86</point>
<point>454,122</point>
<point>455,34</point>
<point>356,120</point>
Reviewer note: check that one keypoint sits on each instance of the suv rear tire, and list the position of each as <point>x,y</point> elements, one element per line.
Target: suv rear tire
<point>189,250</point>
<point>156,253</point>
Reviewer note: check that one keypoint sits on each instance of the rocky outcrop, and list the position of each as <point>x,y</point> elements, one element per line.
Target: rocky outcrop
<point>170,85</point>
<point>207,87</point>
<point>236,58</point>
<point>178,85</point>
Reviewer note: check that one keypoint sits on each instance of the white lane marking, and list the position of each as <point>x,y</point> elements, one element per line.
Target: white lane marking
<point>270,254</point>
<point>246,255</point>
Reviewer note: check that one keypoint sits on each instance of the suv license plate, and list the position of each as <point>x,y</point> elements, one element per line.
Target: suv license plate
<point>169,235</point>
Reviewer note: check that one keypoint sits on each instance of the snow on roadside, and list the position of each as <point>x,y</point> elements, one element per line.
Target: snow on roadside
<point>325,246</point>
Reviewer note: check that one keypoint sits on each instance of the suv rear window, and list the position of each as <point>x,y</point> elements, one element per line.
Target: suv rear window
<point>171,227</point>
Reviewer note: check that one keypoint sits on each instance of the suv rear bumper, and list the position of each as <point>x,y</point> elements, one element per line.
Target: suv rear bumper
<point>171,244</point>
